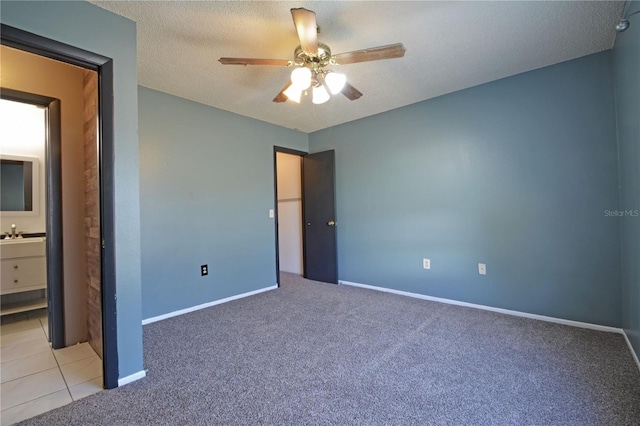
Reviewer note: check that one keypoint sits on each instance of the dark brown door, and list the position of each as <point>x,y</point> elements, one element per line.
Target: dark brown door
<point>319,217</point>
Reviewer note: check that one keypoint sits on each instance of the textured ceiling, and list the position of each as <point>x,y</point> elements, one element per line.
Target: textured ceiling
<point>450,46</point>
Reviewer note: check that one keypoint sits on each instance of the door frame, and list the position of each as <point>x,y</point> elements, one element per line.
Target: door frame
<point>29,42</point>
<point>283,150</point>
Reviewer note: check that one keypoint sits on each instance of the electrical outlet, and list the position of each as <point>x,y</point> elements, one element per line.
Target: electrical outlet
<point>426,263</point>
<point>204,270</point>
<point>482,268</point>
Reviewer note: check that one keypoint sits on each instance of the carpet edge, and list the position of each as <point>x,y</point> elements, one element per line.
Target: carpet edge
<point>633,352</point>
<point>206,305</point>
<point>562,321</point>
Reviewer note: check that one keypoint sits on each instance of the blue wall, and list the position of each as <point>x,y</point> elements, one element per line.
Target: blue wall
<point>515,173</point>
<point>206,189</point>
<point>86,26</point>
<point>627,83</point>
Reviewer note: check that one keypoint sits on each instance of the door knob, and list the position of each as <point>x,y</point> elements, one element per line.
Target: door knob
<point>331,223</point>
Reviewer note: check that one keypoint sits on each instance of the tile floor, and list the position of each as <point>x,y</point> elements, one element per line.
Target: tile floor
<point>35,378</point>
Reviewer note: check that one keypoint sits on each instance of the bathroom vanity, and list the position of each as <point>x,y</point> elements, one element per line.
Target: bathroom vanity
<point>23,269</point>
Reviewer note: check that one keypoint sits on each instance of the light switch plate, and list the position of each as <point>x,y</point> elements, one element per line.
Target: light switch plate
<point>482,268</point>
<point>271,213</point>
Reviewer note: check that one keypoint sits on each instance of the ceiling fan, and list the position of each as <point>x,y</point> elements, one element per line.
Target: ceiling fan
<point>311,59</point>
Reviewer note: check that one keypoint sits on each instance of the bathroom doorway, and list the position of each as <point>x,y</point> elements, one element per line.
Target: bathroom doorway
<point>70,210</point>
<point>23,295</point>
<point>57,244</point>
<point>96,115</point>
<point>23,134</point>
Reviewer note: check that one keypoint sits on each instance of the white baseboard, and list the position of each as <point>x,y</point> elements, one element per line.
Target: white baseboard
<point>206,305</point>
<point>490,308</point>
<point>633,352</point>
<point>132,378</point>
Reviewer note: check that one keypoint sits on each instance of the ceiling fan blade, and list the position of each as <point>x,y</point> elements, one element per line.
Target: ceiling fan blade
<point>372,54</point>
<point>305,22</point>
<point>252,61</point>
<point>281,97</point>
<point>351,92</point>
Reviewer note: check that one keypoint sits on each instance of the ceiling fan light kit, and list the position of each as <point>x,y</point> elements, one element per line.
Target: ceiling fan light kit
<point>320,95</point>
<point>301,78</point>
<point>292,93</point>
<point>310,60</point>
<point>335,81</point>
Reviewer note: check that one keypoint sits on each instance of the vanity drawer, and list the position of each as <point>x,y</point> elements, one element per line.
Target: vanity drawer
<point>25,247</point>
<point>23,274</point>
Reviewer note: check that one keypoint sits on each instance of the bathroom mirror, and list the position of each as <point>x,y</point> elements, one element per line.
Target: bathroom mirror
<point>19,185</point>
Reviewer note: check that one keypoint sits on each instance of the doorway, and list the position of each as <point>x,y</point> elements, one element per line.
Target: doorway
<point>71,223</point>
<point>58,248</point>
<point>103,130</point>
<point>289,218</point>
<point>22,206</point>
<point>305,217</point>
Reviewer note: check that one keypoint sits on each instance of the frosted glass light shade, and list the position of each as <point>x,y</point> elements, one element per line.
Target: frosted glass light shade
<point>301,78</point>
<point>320,95</point>
<point>335,81</point>
<point>293,93</point>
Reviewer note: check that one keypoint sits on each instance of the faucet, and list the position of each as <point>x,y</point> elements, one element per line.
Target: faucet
<point>12,235</point>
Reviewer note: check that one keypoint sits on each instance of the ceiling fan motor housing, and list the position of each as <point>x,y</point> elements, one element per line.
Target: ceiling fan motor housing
<point>319,60</point>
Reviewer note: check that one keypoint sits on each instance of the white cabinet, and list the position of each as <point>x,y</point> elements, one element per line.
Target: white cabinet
<point>23,268</point>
